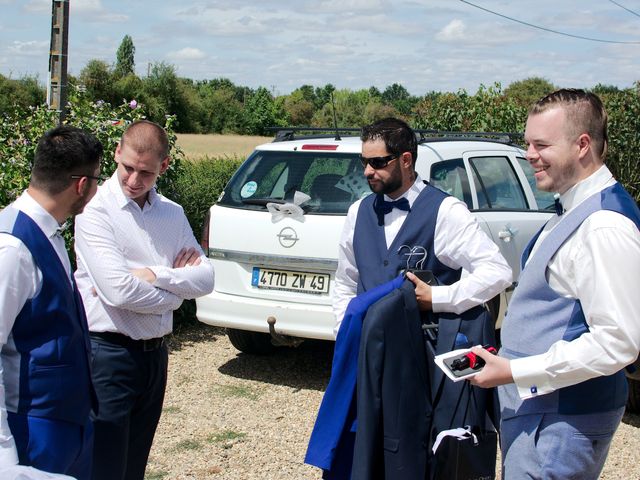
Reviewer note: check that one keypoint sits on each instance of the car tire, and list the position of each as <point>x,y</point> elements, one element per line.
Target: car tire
<point>633,402</point>
<point>255,343</point>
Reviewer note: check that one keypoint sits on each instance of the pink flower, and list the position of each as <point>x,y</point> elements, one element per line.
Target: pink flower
<point>133,104</point>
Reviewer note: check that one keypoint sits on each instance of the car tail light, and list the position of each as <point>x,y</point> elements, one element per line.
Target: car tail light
<point>309,146</point>
<point>204,238</point>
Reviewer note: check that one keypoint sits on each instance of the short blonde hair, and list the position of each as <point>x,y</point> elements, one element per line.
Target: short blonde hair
<point>145,136</point>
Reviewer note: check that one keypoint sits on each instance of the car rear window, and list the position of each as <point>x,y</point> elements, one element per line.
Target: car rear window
<point>333,181</point>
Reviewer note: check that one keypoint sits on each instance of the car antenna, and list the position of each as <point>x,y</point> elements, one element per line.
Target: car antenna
<point>335,119</point>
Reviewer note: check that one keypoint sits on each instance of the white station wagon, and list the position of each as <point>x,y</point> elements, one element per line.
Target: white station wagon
<point>273,234</point>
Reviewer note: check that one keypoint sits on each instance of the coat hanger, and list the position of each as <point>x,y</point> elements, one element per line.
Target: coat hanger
<point>421,252</point>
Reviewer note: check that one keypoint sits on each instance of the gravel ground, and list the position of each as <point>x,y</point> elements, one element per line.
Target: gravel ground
<point>229,415</point>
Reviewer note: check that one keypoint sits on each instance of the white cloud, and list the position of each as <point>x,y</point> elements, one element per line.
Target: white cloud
<point>454,30</point>
<point>31,48</point>
<point>187,54</point>
<point>38,6</point>
<point>87,6</point>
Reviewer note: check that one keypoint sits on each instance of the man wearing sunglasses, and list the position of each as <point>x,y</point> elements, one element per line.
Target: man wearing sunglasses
<point>45,391</point>
<point>439,223</point>
<point>408,223</point>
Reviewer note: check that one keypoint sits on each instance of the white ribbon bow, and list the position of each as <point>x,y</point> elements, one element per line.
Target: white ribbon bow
<point>460,433</point>
<point>291,210</point>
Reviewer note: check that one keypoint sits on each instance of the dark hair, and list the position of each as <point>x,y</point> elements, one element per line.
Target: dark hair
<point>585,114</point>
<point>397,136</point>
<point>61,152</point>
<point>145,136</point>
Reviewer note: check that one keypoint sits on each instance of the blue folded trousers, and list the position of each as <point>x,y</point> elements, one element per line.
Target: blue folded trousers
<point>53,445</point>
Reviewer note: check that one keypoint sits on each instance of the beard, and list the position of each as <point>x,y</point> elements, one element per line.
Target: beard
<point>390,185</point>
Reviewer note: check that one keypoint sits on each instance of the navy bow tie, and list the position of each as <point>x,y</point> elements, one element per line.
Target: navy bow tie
<point>382,207</point>
<point>557,205</point>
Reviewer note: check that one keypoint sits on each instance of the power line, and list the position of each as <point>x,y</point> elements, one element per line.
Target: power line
<point>549,29</point>
<point>625,8</point>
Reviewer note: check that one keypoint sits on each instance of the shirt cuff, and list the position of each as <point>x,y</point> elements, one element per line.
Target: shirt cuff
<point>439,298</point>
<point>8,453</point>
<point>163,279</point>
<point>529,379</point>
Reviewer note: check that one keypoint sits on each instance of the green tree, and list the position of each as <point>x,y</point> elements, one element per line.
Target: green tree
<point>623,148</point>
<point>299,110</point>
<point>323,96</point>
<point>261,111</point>
<point>166,94</point>
<point>221,106</point>
<point>97,79</point>
<point>125,58</point>
<point>526,92</point>
<point>349,109</point>
<point>23,92</point>
<point>399,98</point>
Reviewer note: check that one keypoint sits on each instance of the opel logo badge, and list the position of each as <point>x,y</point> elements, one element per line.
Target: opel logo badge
<point>288,237</point>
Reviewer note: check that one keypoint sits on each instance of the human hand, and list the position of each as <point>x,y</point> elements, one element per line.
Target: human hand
<point>423,292</point>
<point>187,257</point>
<point>496,371</point>
<point>145,274</point>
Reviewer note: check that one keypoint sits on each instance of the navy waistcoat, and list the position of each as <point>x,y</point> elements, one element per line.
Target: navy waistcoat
<point>50,347</point>
<point>378,264</point>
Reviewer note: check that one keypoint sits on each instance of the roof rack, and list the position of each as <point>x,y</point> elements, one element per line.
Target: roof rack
<point>284,134</point>
<point>431,135</point>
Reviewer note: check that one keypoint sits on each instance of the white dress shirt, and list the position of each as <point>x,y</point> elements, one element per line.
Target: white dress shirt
<point>21,280</point>
<point>459,242</point>
<point>114,236</point>
<point>600,266</point>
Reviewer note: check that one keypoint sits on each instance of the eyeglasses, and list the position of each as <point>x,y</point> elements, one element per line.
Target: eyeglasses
<point>377,162</point>
<point>99,178</point>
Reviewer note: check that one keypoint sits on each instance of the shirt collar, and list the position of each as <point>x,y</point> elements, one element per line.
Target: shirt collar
<point>587,187</point>
<point>27,204</point>
<point>113,186</point>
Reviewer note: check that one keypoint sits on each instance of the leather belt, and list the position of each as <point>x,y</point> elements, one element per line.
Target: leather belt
<point>124,341</point>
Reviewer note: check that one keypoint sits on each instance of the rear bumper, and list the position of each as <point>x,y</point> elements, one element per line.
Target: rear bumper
<point>245,313</point>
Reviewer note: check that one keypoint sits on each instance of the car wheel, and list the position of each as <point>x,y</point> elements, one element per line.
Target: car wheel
<point>633,402</point>
<point>255,343</point>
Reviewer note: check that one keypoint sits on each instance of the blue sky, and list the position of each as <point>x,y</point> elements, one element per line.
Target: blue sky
<point>424,45</point>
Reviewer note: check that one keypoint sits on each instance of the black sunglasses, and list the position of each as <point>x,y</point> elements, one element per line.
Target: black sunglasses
<point>377,162</point>
<point>99,178</point>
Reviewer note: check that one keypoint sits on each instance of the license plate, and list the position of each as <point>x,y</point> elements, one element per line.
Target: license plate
<point>290,281</point>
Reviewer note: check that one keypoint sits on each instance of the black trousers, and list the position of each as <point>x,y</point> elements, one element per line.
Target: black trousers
<point>130,384</point>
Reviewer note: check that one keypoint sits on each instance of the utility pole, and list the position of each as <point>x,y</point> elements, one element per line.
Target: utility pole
<point>58,55</point>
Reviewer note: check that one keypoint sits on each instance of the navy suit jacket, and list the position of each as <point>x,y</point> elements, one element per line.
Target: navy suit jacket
<point>331,442</point>
<point>402,402</point>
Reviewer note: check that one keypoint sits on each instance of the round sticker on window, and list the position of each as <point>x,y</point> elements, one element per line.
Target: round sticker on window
<point>248,189</point>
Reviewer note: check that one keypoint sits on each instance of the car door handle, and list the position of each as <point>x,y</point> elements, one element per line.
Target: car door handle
<point>506,235</point>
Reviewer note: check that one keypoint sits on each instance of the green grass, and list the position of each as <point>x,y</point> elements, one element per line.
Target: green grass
<point>226,438</point>
<point>155,475</point>
<point>237,391</point>
<point>188,444</point>
<point>171,410</point>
